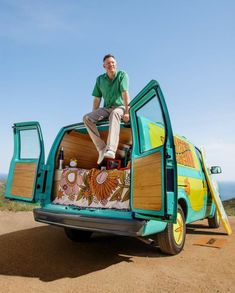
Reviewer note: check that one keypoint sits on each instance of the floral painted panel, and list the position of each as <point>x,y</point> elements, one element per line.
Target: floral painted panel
<point>183,153</point>
<point>94,188</point>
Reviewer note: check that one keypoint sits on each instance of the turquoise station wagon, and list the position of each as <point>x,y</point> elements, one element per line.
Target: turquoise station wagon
<point>154,188</point>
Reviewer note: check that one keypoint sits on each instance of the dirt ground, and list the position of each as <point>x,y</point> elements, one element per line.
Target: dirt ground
<point>39,258</point>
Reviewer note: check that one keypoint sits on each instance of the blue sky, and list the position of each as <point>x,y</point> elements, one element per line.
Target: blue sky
<point>51,53</point>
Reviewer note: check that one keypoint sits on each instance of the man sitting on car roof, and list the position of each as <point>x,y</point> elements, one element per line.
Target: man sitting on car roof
<point>113,87</point>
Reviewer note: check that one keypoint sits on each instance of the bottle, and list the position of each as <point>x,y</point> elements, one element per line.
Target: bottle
<point>125,157</point>
<point>61,158</point>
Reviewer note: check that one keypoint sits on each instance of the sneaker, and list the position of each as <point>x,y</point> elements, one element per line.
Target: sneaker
<point>109,155</point>
<point>101,156</point>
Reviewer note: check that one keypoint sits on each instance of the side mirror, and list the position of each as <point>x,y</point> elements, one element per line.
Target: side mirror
<point>216,170</point>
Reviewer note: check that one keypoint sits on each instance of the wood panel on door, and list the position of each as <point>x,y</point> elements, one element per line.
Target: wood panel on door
<point>23,179</point>
<point>147,182</point>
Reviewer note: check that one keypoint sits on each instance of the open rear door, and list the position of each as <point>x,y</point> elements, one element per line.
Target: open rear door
<point>24,180</point>
<point>154,169</point>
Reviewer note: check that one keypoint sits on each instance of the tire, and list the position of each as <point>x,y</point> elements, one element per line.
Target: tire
<point>77,235</point>
<point>171,240</point>
<point>214,222</point>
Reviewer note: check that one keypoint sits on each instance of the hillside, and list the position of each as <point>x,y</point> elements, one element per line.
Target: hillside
<point>229,206</point>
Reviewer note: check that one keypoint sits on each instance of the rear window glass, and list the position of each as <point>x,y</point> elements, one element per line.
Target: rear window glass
<point>29,144</point>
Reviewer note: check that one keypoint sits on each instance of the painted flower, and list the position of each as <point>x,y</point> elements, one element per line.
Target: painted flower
<point>70,181</point>
<point>84,189</point>
<point>102,183</point>
<point>60,193</point>
<point>85,192</point>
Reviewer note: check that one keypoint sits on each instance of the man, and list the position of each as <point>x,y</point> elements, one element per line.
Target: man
<point>113,87</point>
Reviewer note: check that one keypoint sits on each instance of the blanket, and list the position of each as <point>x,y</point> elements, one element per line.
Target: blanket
<point>94,188</point>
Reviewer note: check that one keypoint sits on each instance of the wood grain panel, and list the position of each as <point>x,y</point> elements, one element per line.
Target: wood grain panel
<point>147,183</point>
<point>80,146</point>
<point>23,179</point>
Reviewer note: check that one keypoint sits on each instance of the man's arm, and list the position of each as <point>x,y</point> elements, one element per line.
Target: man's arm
<point>126,100</point>
<point>96,103</point>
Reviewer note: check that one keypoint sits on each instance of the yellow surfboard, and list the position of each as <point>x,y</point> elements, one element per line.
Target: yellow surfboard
<point>215,195</point>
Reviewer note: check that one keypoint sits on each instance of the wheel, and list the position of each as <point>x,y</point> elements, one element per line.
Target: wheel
<point>171,240</point>
<point>77,235</point>
<point>214,222</point>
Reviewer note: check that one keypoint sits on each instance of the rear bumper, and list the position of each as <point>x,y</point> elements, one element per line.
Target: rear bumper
<point>107,225</point>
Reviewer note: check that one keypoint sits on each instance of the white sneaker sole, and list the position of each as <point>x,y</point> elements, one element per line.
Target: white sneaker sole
<point>109,156</point>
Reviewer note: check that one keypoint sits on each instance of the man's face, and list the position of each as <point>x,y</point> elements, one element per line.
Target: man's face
<point>110,65</point>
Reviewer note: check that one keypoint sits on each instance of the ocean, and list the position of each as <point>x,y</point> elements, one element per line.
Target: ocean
<point>3,177</point>
<point>227,190</point>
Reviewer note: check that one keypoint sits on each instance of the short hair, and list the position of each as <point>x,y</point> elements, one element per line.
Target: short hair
<point>108,56</point>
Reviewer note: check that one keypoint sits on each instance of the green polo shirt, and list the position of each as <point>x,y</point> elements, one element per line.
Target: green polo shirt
<point>111,90</point>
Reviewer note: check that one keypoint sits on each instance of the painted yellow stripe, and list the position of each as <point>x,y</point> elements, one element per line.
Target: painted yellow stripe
<point>195,191</point>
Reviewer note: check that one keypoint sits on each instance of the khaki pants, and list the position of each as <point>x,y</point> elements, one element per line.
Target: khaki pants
<point>115,115</point>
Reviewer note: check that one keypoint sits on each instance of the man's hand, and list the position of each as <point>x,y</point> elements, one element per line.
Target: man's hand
<point>126,118</point>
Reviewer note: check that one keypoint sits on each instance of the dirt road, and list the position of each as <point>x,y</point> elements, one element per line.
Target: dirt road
<point>39,258</point>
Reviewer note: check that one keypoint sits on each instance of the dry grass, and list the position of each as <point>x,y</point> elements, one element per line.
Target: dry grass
<point>8,205</point>
<point>229,206</point>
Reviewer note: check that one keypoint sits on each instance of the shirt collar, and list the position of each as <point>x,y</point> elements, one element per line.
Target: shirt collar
<point>115,75</point>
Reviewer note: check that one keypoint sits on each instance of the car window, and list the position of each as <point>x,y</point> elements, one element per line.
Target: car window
<point>29,144</point>
<point>151,127</point>
<point>199,156</point>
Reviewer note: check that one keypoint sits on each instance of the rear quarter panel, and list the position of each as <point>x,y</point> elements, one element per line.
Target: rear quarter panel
<point>192,186</point>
